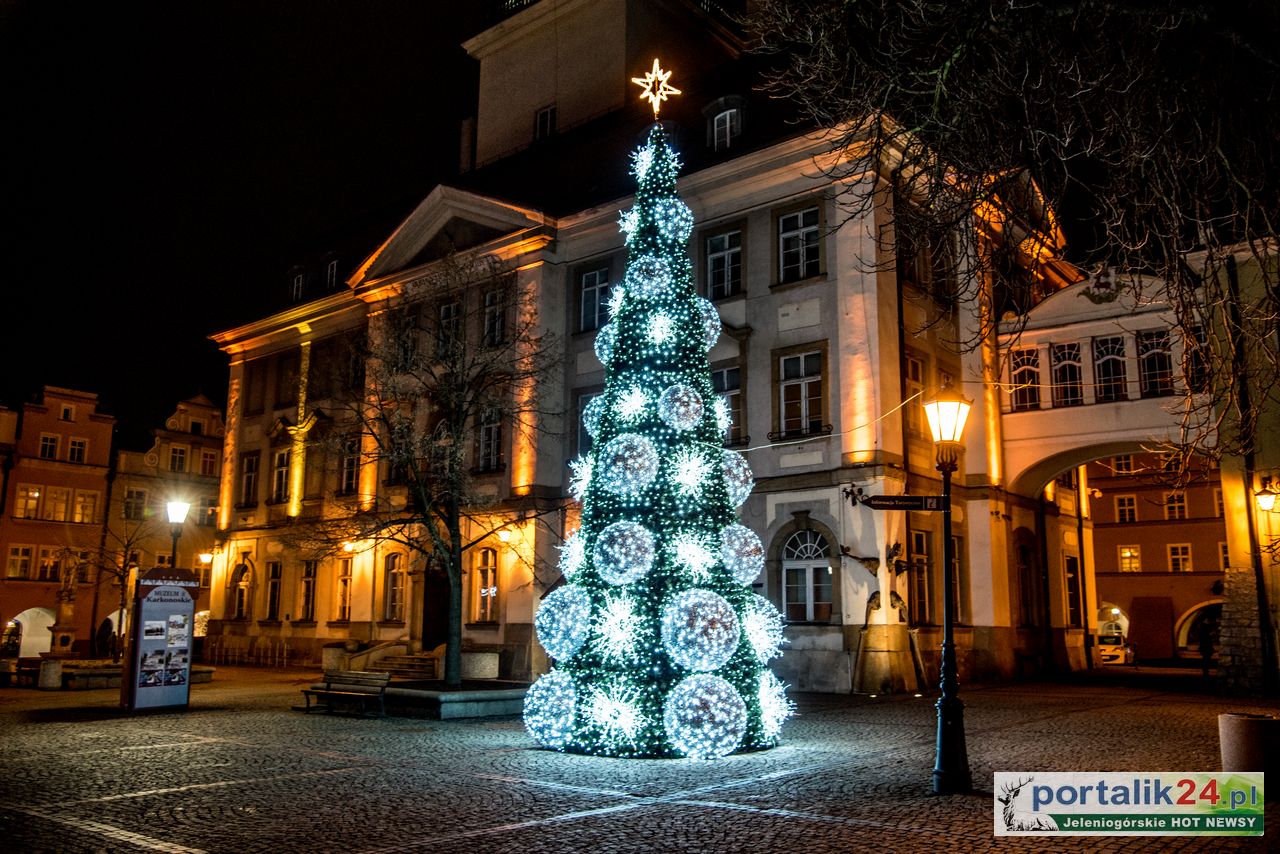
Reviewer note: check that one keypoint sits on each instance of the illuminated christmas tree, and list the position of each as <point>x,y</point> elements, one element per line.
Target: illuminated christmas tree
<point>659,642</point>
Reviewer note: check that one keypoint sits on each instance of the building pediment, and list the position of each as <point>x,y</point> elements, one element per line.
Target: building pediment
<point>447,221</point>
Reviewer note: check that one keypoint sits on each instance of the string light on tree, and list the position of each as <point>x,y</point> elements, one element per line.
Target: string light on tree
<point>659,641</point>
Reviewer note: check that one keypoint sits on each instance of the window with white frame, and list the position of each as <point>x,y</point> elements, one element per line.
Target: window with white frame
<point>280,476</point>
<point>806,578</point>
<point>178,458</point>
<point>307,591</point>
<point>331,274</point>
<point>1224,557</point>
<point>915,395</point>
<point>57,504</point>
<point>727,383</point>
<point>1175,505</point>
<point>296,286</point>
<point>1109,375</point>
<point>1066,374</point>
<point>1025,376</point>
<point>1126,508</point>
<point>342,595</point>
<point>1155,363</point>
<point>275,577</point>
<point>77,450</point>
<point>49,565</point>
<point>922,587</point>
<point>135,504</point>
<point>486,586</point>
<point>209,463</point>
<point>489,456</point>
<point>19,563</point>
<point>241,592</point>
<point>725,126</point>
<point>800,391</point>
<point>798,245</point>
<point>393,597</point>
<point>48,446</point>
<point>448,326</point>
<point>1075,609</point>
<point>349,465</point>
<point>724,264</point>
<point>1179,557</point>
<point>1130,558</point>
<point>67,412</point>
<point>86,507</point>
<point>593,298</point>
<point>26,503</point>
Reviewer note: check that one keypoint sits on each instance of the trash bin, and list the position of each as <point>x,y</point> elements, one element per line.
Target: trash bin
<point>1250,742</point>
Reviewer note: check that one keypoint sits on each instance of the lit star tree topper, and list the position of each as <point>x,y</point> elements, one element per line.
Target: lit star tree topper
<point>655,87</point>
<point>659,643</point>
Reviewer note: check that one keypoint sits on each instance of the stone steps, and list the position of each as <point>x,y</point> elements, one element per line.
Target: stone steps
<point>407,666</point>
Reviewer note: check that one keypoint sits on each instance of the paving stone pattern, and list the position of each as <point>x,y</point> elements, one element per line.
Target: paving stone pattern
<point>240,772</point>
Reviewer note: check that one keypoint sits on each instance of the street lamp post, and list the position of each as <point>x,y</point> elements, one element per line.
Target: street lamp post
<point>947,412</point>
<point>177,511</point>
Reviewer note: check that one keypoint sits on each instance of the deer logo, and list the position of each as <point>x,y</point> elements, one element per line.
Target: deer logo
<point>1021,819</point>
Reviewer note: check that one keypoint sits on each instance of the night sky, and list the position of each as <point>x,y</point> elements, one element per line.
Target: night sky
<point>164,164</point>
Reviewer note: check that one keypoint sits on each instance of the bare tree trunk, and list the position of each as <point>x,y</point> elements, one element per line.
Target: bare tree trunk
<point>453,640</point>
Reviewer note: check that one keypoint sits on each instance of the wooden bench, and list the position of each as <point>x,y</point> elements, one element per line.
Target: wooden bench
<point>362,689</point>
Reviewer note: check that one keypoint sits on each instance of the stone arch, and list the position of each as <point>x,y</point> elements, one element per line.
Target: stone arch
<point>1031,480</point>
<point>801,521</point>
<point>1189,625</point>
<point>36,637</point>
<point>1110,612</point>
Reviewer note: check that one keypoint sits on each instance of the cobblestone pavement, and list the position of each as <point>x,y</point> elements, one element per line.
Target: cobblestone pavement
<point>240,772</point>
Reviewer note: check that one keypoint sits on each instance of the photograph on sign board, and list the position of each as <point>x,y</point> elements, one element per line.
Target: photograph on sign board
<point>153,629</point>
<point>179,630</point>
<point>177,659</point>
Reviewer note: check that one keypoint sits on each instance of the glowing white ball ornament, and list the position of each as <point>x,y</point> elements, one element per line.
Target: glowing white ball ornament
<point>549,707</point>
<point>573,555</point>
<point>624,552</point>
<point>775,708</point>
<point>704,717</point>
<point>627,464</point>
<point>564,621</point>
<point>605,339</point>
<point>673,219</point>
<point>762,624</point>
<point>649,277</point>
<point>680,407</point>
<point>592,413</point>
<point>699,629</point>
<point>742,552</point>
<point>737,476</point>
<point>710,319</point>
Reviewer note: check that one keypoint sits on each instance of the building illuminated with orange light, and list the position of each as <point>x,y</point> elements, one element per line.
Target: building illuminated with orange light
<point>830,337</point>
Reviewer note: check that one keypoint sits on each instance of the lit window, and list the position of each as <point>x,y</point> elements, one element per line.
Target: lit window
<point>1025,374</point>
<point>57,504</point>
<point>307,609</point>
<point>727,383</point>
<point>1068,381</point>
<point>798,245</point>
<point>280,476</point>
<point>1126,508</point>
<point>1155,363</point>
<point>275,573</point>
<point>724,265</point>
<point>49,566</point>
<point>594,299</point>
<point>1175,505</point>
<point>806,578</point>
<point>26,503</point>
<point>86,509</point>
<point>177,458</point>
<point>77,450</point>
<point>800,394</point>
<point>1109,375</point>
<point>19,565</point>
<point>1180,557</point>
<point>486,601</point>
<point>342,612</point>
<point>1130,559</point>
<point>48,446</point>
<point>395,581</point>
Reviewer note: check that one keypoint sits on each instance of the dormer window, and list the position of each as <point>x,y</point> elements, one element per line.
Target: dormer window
<point>724,122</point>
<point>68,412</point>
<point>295,287</point>
<point>544,126</point>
